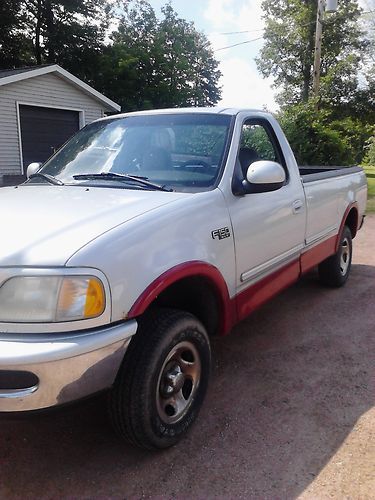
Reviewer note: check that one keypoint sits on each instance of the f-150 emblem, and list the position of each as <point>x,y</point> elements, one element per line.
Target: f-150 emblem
<point>221,233</point>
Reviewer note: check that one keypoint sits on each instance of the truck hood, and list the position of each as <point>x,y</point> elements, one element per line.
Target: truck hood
<point>46,225</point>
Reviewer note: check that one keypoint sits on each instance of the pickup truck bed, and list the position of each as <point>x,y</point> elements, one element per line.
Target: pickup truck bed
<point>314,173</point>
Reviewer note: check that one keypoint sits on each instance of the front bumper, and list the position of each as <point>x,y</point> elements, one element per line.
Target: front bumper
<point>60,368</point>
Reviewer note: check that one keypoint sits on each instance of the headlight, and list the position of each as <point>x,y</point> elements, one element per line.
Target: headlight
<point>25,299</point>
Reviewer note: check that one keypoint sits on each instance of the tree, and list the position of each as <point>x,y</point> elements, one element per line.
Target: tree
<point>318,138</point>
<point>189,72</point>
<point>158,63</point>
<point>145,63</point>
<point>337,132</point>
<point>128,68</point>
<point>15,48</point>
<point>312,141</point>
<point>369,158</point>
<point>288,52</point>
<point>68,32</point>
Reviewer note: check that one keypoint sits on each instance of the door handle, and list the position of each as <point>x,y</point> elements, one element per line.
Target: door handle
<point>297,205</point>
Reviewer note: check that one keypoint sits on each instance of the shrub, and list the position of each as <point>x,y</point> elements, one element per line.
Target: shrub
<point>318,139</point>
<point>369,158</point>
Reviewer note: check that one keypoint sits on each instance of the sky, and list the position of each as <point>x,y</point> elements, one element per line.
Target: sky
<point>242,85</point>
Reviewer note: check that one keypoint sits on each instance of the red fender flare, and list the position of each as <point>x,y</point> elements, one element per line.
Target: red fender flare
<point>184,270</point>
<point>345,216</point>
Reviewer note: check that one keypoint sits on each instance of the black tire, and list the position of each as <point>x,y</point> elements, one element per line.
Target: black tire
<point>335,270</point>
<point>151,404</point>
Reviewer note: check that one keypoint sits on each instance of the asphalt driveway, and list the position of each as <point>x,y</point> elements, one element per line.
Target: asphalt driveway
<point>290,412</point>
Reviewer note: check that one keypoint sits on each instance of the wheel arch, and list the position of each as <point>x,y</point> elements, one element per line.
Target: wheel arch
<point>350,219</point>
<point>196,287</point>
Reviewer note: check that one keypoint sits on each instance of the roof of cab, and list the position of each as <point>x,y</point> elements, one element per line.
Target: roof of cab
<point>211,110</point>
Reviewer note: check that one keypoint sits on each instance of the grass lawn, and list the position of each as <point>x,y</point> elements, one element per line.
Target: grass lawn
<point>370,172</point>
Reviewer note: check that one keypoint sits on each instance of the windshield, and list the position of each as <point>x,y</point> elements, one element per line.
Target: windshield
<point>181,151</point>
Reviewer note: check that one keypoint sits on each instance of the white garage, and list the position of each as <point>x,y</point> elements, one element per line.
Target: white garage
<point>40,108</point>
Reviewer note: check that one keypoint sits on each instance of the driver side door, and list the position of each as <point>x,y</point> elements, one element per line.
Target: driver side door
<point>268,227</point>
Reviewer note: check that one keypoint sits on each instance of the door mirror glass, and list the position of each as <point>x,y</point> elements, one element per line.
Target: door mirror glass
<point>263,176</point>
<point>32,168</point>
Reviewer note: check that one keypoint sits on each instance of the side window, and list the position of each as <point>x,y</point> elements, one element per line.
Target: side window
<point>257,143</point>
<point>255,138</point>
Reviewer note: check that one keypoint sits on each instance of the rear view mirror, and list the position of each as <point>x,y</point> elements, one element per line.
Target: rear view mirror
<point>32,168</point>
<point>263,176</point>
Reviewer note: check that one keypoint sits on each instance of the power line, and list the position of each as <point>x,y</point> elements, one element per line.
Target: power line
<point>254,31</point>
<point>240,32</point>
<point>262,29</point>
<point>240,43</point>
<point>261,37</point>
<point>370,11</point>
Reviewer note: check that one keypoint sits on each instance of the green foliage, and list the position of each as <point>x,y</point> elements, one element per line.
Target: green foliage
<point>317,139</point>
<point>355,132</point>
<point>255,137</point>
<point>369,158</point>
<point>288,52</point>
<point>370,173</point>
<point>335,129</point>
<point>68,32</point>
<point>15,47</point>
<point>149,63</point>
<point>158,63</point>
<point>201,140</point>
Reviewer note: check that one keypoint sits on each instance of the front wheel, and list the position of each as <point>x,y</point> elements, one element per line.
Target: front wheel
<point>163,380</point>
<point>335,270</point>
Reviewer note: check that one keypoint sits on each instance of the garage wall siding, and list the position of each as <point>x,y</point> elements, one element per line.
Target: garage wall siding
<point>47,90</point>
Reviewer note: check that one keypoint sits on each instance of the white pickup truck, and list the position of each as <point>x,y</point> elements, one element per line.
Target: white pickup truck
<point>141,238</point>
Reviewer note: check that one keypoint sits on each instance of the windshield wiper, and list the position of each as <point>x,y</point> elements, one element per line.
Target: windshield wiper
<point>48,177</point>
<point>126,177</point>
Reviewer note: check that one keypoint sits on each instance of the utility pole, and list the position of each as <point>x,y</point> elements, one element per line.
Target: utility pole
<point>328,6</point>
<point>318,47</point>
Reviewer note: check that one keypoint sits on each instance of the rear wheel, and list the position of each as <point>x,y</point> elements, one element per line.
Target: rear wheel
<point>163,380</point>
<point>335,270</point>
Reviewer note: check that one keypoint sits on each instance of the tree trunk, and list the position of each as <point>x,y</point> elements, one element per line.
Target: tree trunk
<point>50,43</point>
<point>38,51</point>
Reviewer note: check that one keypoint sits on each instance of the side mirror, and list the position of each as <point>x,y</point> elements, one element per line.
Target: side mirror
<point>32,168</point>
<point>264,176</point>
